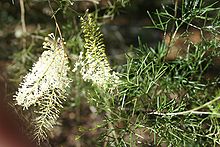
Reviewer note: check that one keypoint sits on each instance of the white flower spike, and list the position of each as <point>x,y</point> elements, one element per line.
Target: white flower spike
<point>45,86</point>
<point>94,65</point>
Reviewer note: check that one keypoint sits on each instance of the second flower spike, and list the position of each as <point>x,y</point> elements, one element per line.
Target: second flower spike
<point>93,62</point>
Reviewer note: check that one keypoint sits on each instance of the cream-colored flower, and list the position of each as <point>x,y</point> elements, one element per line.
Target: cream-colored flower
<point>94,63</point>
<point>45,86</point>
<point>48,73</point>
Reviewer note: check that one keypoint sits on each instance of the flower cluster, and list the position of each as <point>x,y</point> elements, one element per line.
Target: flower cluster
<point>45,86</point>
<point>94,63</point>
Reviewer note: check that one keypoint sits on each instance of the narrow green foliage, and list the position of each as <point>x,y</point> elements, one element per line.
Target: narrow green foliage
<point>22,60</point>
<point>167,97</point>
<point>115,6</point>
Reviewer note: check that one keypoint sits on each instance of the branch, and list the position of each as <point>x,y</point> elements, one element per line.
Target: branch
<point>192,111</point>
<point>24,30</point>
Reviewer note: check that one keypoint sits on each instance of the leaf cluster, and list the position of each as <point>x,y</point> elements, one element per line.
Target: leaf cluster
<point>168,100</point>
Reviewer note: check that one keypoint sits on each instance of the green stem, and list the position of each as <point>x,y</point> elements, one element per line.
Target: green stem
<point>192,111</point>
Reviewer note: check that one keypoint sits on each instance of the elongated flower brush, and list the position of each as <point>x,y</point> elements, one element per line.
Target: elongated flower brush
<point>93,63</point>
<point>45,86</point>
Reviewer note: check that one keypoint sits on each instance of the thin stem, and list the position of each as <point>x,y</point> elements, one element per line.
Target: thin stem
<point>54,17</point>
<point>184,113</point>
<point>192,111</point>
<point>57,26</point>
<point>110,125</point>
<point>93,1</point>
<point>23,16</point>
<point>173,33</point>
<point>24,30</point>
